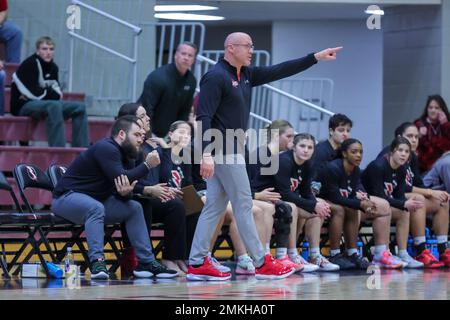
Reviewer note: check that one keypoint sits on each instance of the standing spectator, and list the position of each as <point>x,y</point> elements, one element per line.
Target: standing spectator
<point>434,132</point>
<point>35,92</point>
<point>169,90</point>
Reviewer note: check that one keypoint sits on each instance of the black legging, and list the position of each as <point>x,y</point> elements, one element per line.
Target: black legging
<point>178,229</point>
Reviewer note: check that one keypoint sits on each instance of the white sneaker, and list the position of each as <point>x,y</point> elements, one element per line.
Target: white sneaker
<point>323,263</point>
<point>398,260</point>
<point>411,262</point>
<point>307,267</point>
<point>245,266</point>
<point>219,266</point>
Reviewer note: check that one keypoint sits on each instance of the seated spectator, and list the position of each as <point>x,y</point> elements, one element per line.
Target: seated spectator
<point>434,132</point>
<point>2,88</point>
<point>10,35</point>
<point>438,178</point>
<point>35,92</point>
<point>96,189</point>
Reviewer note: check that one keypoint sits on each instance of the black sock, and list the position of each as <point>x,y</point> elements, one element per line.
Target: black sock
<point>442,247</point>
<point>420,248</point>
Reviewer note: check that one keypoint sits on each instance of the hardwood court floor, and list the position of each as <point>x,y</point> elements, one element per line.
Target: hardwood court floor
<point>407,284</point>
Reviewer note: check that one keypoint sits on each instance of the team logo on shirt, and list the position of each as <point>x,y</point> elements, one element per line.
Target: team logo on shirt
<point>345,193</point>
<point>176,179</point>
<point>246,82</point>
<point>186,88</point>
<point>409,177</point>
<point>388,189</point>
<point>295,183</point>
<point>31,173</point>
<point>234,83</point>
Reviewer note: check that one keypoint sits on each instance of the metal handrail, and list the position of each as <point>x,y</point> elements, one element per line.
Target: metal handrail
<point>281,92</point>
<point>136,29</point>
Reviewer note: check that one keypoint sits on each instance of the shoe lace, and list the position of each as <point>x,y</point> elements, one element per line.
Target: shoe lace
<point>298,259</point>
<point>246,262</point>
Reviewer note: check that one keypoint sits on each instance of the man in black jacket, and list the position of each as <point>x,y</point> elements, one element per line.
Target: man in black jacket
<point>35,92</point>
<point>224,104</point>
<point>96,190</point>
<point>169,90</point>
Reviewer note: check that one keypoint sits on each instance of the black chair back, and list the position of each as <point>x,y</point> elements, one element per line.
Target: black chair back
<point>30,176</point>
<point>55,172</point>
<point>5,186</point>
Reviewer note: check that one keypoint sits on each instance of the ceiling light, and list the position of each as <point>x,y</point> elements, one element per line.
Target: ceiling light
<point>187,16</point>
<point>194,7</point>
<point>378,12</point>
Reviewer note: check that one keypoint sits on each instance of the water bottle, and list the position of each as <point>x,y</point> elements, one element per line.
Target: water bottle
<point>54,270</point>
<point>305,250</point>
<point>68,260</point>
<point>410,248</point>
<point>360,245</point>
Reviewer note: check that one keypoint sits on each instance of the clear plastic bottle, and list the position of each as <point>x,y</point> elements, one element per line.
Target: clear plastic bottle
<point>68,259</point>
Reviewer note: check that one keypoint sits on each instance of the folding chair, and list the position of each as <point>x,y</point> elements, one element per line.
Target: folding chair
<point>55,172</point>
<point>21,222</point>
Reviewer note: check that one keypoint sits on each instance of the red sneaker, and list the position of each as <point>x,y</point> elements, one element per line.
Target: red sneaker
<point>206,272</point>
<point>445,258</point>
<point>128,262</point>
<point>287,262</point>
<point>272,269</point>
<point>429,261</point>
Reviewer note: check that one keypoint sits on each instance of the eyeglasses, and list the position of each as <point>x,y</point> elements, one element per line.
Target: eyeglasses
<point>248,46</point>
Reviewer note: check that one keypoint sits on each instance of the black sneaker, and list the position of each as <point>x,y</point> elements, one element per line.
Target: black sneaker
<point>98,269</point>
<point>154,268</point>
<point>342,261</point>
<point>359,262</point>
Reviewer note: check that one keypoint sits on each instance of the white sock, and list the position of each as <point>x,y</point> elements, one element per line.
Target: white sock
<point>403,253</point>
<point>351,251</point>
<point>281,252</point>
<point>335,252</point>
<point>442,238</point>
<point>242,256</point>
<point>419,240</point>
<point>314,252</point>
<point>292,252</point>
<point>379,249</point>
<point>267,248</point>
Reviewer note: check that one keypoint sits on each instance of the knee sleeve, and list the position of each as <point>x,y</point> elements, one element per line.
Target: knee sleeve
<point>282,223</point>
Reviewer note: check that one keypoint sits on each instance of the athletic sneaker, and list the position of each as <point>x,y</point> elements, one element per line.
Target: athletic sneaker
<point>98,269</point>
<point>219,266</point>
<point>307,267</point>
<point>323,263</point>
<point>342,261</point>
<point>360,263</point>
<point>397,259</point>
<point>154,268</point>
<point>286,261</point>
<point>386,261</point>
<point>272,269</point>
<point>411,262</point>
<point>245,266</point>
<point>206,272</point>
<point>445,257</point>
<point>429,261</point>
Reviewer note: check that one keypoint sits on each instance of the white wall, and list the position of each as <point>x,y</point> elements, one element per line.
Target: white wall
<point>357,74</point>
<point>412,62</point>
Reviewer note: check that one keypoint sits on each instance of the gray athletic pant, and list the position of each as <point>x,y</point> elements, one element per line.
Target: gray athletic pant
<point>83,209</point>
<point>229,183</point>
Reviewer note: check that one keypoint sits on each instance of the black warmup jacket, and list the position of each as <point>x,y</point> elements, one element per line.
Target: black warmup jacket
<point>167,97</point>
<point>380,180</point>
<point>224,101</point>
<point>338,187</point>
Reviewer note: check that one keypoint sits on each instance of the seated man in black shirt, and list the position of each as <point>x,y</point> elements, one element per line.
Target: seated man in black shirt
<point>96,190</point>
